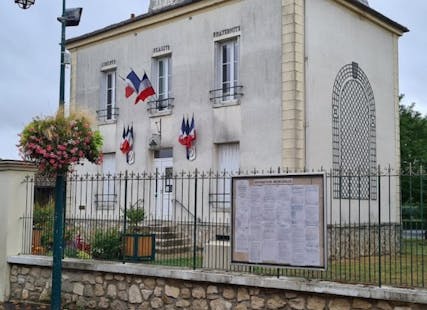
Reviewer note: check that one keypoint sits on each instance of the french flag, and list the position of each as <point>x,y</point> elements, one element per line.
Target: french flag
<point>132,84</point>
<point>183,134</point>
<point>145,89</point>
<point>192,131</point>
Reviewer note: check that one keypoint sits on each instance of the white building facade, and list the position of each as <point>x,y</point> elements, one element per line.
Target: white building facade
<point>296,84</point>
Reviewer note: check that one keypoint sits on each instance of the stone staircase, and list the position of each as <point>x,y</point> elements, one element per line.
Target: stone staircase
<point>169,240</point>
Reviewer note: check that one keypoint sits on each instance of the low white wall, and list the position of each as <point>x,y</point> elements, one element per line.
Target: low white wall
<point>13,193</point>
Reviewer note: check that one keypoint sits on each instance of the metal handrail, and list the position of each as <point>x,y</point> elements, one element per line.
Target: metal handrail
<point>224,94</point>
<point>104,115</point>
<point>160,105</point>
<point>186,209</point>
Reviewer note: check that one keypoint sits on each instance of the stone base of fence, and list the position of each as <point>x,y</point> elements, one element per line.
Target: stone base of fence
<point>359,240</point>
<point>105,285</point>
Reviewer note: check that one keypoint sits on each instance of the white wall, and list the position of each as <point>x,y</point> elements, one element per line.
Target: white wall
<point>335,37</point>
<point>15,198</point>
<point>256,126</point>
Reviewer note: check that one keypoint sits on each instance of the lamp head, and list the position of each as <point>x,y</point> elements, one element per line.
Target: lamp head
<point>25,4</point>
<point>71,17</point>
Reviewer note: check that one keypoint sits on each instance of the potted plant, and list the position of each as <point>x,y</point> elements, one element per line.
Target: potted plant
<point>134,218</point>
<point>139,244</point>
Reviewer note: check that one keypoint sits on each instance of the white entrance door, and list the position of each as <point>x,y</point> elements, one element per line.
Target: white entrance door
<point>164,187</point>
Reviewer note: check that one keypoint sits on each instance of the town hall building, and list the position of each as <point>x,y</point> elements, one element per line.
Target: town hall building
<point>261,84</point>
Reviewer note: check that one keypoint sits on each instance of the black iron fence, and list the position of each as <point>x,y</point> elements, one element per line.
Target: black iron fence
<point>184,219</point>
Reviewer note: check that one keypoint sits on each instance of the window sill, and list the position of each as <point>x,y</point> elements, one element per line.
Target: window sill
<point>226,103</point>
<point>107,122</point>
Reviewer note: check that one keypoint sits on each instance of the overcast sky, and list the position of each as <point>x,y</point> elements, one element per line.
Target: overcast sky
<point>29,54</point>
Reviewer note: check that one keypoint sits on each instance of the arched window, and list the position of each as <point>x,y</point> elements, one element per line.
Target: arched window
<point>353,135</point>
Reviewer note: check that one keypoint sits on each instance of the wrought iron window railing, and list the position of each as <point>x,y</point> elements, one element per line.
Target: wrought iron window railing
<point>159,105</point>
<point>225,94</point>
<point>105,200</point>
<point>109,114</point>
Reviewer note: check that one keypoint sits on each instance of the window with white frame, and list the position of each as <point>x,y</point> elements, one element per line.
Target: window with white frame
<point>163,83</point>
<point>227,69</point>
<point>164,77</point>
<point>106,196</point>
<point>108,109</point>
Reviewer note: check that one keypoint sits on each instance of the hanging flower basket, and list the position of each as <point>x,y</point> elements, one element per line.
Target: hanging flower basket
<point>55,143</point>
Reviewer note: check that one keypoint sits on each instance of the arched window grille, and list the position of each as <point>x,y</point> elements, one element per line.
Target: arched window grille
<point>353,135</point>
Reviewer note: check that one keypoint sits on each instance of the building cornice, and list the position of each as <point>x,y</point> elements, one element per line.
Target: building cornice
<point>143,21</point>
<point>374,16</point>
<point>17,165</point>
<point>191,6</point>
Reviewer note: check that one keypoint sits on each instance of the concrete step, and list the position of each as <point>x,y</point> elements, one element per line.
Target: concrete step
<point>162,228</point>
<point>173,249</point>
<point>166,235</point>
<point>167,242</point>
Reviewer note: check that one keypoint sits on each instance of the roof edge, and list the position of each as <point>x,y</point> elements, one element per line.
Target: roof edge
<point>137,18</point>
<point>375,16</point>
<point>354,5</point>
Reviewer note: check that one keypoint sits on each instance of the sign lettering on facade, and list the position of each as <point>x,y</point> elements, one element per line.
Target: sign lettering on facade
<point>161,49</point>
<point>108,64</point>
<point>226,31</point>
<point>160,4</point>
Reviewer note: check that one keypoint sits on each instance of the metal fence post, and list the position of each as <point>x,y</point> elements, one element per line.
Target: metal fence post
<point>58,242</point>
<point>124,216</point>
<point>195,220</point>
<point>379,226</point>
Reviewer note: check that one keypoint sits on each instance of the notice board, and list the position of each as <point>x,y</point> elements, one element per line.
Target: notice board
<point>279,220</point>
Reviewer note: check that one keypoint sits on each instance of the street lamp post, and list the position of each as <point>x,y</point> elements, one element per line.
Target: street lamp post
<point>69,17</point>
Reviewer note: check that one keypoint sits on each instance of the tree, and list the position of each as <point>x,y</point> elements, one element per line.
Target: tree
<point>413,136</point>
<point>413,152</point>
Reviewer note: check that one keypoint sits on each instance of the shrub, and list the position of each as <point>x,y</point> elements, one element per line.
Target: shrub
<point>134,217</point>
<point>106,244</point>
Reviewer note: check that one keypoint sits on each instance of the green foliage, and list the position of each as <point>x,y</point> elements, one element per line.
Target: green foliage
<point>43,215</point>
<point>70,252</point>
<point>43,221</point>
<point>413,136</point>
<point>413,150</point>
<point>106,244</point>
<point>134,217</point>
<point>83,255</point>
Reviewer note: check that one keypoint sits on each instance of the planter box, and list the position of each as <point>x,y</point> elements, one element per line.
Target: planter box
<point>139,247</point>
<point>36,246</point>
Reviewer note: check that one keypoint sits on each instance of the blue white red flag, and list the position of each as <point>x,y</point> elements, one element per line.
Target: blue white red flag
<point>183,133</point>
<point>187,136</point>
<point>145,89</point>
<point>132,84</point>
<point>192,130</point>
<point>124,145</point>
